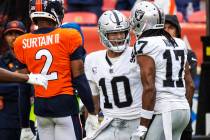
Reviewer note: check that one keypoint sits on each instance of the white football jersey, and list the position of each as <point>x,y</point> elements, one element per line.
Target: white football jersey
<point>118,84</point>
<point>170,64</point>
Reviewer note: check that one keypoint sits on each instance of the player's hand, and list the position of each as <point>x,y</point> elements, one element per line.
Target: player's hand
<point>140,133</point>
<point>37,79</point>
<point>91,124</point>
<point>27,134</point>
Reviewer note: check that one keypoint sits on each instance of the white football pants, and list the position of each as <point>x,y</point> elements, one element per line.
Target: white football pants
<point>61,128</point>
<point>119,130</point>
<point>169,125</point>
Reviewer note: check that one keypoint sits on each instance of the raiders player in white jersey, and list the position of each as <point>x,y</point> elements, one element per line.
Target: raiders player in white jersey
<point>164,74</point>
<point>114,79</point>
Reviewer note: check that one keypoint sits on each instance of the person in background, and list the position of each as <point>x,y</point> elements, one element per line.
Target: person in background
<point>182,7</point>
<point>15,98</point>
<point>124,4</point>
<point>172,26</point>
<point>196,5</point>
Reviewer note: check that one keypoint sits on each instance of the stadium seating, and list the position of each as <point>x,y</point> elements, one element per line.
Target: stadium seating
<point>109,5</point>
<point>126,13</point>
<point>91,39</point>
<point>82,18</point>
<point>197,17</point>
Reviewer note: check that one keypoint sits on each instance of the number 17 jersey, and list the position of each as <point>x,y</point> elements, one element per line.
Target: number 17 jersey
<point>49,54</point>
<point>170,61</point>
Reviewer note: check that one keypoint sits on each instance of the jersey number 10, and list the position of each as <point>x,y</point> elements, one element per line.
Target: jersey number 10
<point>117,101</point>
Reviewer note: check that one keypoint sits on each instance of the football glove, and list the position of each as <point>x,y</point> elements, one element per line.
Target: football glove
<point>27,134</point>
<point>140,133</point>
<point>37,79</point>
<point>91,124</point>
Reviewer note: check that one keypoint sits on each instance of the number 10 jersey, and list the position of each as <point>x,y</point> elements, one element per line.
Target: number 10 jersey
<point>118,84</point>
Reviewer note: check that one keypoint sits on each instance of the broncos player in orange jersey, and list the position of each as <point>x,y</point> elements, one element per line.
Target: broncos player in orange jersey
<point>57,53</point>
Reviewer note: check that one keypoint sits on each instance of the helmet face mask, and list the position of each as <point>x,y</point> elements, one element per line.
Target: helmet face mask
<point>114,31</point>
<point>146,16</point>
<point>50,9</point>
<point>117,38</point>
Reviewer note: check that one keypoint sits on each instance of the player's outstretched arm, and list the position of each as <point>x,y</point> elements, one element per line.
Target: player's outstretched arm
<point>7,76</point>
<point>36,79</point>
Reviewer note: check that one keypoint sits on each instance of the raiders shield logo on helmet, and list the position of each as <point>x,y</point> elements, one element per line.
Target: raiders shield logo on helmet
<point>139,14</point>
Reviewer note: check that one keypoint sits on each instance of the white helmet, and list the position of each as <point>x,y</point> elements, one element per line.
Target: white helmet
<point>113,22</point>
<point>146,16</point>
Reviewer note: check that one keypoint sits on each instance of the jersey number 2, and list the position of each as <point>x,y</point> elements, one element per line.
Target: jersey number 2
<point>114,82</point>
<point>48,62</point>
<point>169,82</point>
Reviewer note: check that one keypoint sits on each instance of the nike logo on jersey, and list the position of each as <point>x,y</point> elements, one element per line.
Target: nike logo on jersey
<point>40,41</point>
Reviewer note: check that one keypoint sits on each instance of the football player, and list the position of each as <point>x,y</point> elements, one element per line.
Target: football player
<point>114,81</point>
<point>164,74</point>
<point>172,26</point>
<point>57,53</point>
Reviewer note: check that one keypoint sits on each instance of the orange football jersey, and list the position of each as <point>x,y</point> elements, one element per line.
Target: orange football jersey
<point>49,54</point>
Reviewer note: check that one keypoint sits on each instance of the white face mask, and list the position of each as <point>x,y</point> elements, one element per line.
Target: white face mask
<point>117,45</point>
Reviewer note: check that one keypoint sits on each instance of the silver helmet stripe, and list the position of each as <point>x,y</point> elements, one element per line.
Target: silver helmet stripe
<point>159,13</point>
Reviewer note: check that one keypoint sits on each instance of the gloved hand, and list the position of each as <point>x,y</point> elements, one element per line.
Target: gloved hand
<point>140,133</point>
<point>91,124</point>
<point>27,134</point>
<point>37,79</point>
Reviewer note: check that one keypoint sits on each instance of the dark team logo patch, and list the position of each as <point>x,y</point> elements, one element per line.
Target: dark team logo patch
<point>139,14</point>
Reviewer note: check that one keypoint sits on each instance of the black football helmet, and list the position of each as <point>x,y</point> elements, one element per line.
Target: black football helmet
<point>50,9</point>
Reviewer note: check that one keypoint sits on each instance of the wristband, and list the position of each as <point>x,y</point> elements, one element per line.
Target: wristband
<point>146,114</point>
